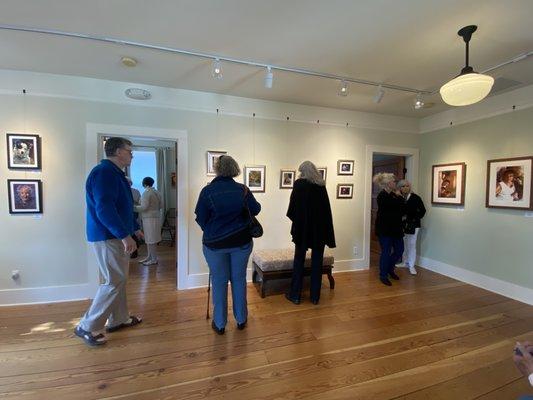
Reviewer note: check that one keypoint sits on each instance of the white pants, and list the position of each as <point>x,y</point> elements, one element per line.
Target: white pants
<point>409,252</point>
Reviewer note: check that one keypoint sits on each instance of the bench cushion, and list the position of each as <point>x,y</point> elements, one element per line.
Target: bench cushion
<point>282,259</point>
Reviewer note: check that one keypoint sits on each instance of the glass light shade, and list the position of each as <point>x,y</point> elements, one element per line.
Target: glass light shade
<point>466,89</point>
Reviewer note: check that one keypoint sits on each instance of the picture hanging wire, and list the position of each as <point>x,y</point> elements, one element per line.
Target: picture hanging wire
<point>217,129</point>
<point>286,158</point>
<point>346,147</point>
<point>24,109</point>
<point>253,138</point>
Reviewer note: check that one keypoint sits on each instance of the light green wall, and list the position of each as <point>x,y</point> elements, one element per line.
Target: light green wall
<point>493,242</point>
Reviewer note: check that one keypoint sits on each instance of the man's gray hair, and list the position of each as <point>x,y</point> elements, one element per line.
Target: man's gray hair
<point>382,179</point>
<point>309,172</point>
<point>112,144</point>
<point>227,167</point>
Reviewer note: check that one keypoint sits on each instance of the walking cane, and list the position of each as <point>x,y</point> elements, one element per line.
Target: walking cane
<point>208,293</point>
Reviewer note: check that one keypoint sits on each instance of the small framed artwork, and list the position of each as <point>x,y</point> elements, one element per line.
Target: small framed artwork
<point>509,182</point>
<point>24,151</point>
<point>448,184</point>
<point>25,196</point>
<point>173,179</point>
<point>345,191</point>
<point>345,167</point>
<point>323,171</point>
<point>212,157</point>
<point>254,178</point>
<point>286,178</point>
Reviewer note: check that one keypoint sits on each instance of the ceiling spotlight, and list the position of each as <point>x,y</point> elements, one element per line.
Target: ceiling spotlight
<point>419,103</point>
<point>379,95</point>
<point>269,78</point>
<point>217,69</point>
<point>343,89</point>
<point>128,61</point>
<point>469,87</point>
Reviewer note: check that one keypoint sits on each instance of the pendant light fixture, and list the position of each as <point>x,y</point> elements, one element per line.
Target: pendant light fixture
<point>469,87</point>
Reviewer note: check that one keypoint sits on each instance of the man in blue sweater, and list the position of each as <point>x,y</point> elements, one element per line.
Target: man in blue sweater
<point>110,224</point>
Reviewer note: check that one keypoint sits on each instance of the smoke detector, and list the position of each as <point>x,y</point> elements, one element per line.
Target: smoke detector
<point>138,94</point>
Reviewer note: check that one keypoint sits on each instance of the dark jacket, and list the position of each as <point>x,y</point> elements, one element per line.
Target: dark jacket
<point>391,209</point>
<point>219,210</point>
<point>414,210</point>
<point>310,213</point>
<point>109,203</point>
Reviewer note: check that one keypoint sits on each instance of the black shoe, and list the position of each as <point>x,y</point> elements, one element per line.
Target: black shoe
<point>394,276</point>
<point>220,331</point>
<point>294,301</point>
<point>241,326</point>
<point>385,281</point>
<point>315,302</point>
<point>135,254</point>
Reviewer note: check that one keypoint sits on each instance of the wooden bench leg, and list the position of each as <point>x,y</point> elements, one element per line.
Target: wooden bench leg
<point>263,295</point>
<point>254,276</point>
<point>331,280</point>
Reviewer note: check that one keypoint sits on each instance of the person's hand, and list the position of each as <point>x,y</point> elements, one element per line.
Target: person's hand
<point>139,234</point>
<point>129,245</point>
<point>524,362</point>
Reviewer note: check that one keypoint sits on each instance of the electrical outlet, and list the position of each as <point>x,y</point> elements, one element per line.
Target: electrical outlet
<point>15,274</point>
<point>355,250</point>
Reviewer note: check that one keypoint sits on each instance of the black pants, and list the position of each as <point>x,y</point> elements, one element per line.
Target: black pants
<point>317,256</point>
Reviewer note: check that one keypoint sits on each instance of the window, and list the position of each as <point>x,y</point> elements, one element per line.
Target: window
<point>143,164</point>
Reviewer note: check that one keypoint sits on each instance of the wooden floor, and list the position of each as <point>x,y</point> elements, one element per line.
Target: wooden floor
<point>427,337</point>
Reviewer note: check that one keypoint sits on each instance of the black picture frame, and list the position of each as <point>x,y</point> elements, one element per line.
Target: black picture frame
<point>25,196</point>
<point>23,151</point>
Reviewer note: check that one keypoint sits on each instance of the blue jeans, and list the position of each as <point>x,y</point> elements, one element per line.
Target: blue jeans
<point>391,253</point>
<point>228,265</point>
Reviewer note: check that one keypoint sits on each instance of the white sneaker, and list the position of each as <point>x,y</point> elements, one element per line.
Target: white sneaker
<point>412,270</point>
<point>401,265</point>
<point>143,260</point>
<point>150,262</point>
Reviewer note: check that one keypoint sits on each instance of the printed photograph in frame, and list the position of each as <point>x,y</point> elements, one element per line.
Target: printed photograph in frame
<point>345,191</point>
<point>509,182</point>
<point>448,184</point>
<point>254,178</point>
<point>212,157</point>
<point>25,196</point>
<point>23,151</point>
<point>323,171</point>
<point>345,167</point>
<point>286,178</point>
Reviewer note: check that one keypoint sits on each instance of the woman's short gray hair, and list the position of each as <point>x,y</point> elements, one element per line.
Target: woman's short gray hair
<point>404,182</point>
<point>227,167</point>
<point>309,172</point>
<point>382,179</point>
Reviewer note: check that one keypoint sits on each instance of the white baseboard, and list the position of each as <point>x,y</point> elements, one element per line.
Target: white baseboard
<point>355,264</point>
<point>48,294</point>
<point>507,289</point>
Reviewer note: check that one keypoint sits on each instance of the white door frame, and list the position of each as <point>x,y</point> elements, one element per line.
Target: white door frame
<point>411,163</point>
<point>182,217</point>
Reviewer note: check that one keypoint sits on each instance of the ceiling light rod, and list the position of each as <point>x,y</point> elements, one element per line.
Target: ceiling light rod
<point>210,56</point>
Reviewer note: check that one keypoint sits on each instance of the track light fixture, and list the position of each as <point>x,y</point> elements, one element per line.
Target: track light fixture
<point>379,95</point>
<point>419,103</point>
<point>343,89</point>
<point>217,69</point>
<point>469,87</point>
<point>269,78</point>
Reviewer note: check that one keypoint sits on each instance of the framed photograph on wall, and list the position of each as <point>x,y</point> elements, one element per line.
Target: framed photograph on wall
<point>286,178</point>
<point>25,196</point>
<point>448,184</point>
<point>323,171</point>
<point>509,182</point>
<point>345,191</point>
<point>212,157</point>
<point>345,167</point>
<point>23,151</point>
<point>254,178</point>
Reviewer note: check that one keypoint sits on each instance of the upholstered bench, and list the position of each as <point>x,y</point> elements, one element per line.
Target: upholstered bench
<point>277,264</point>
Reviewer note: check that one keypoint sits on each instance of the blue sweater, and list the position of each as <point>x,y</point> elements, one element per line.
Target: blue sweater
<point>109,203</point>
<point>219,210</point>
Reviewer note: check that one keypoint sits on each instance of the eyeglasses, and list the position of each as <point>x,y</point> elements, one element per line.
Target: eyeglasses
<point>128,150</point>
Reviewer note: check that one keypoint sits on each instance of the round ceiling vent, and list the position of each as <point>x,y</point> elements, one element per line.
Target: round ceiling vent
<point>138,94</point>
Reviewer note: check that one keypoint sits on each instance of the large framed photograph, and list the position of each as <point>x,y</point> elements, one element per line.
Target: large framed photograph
<point>286,178</point>
<point>212,158</point>
<point>25,196</point>
<point>509,183</point>
<point>345,167</point>
<point>448,184</point>
<point>23,151</point>
<point>323,171</point>
<point>345,191</point>
<point>254,178</point>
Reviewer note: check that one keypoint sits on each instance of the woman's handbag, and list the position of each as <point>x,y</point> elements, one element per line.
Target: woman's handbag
<point>254,227</point>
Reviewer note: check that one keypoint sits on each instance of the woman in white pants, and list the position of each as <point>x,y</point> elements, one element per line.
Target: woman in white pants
<point>151,219</point>
<point>415,211</point>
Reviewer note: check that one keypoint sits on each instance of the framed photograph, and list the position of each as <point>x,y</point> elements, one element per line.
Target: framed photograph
<point>23,151</point>
<point>286,178</point>
<point>448,184</point>
<point>345,191</point>
<point>509,182</point>
<point>254,178</point>
<point>173,179</point>
<point>345,167</point>
<point>25,196</point>
<point>212,157</point>
<point>323,172</point>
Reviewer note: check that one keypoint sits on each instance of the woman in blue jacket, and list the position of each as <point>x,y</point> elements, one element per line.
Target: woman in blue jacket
<point>227,244</point>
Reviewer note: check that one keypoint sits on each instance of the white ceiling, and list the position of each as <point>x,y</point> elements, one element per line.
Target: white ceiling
<point>409,43</point>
